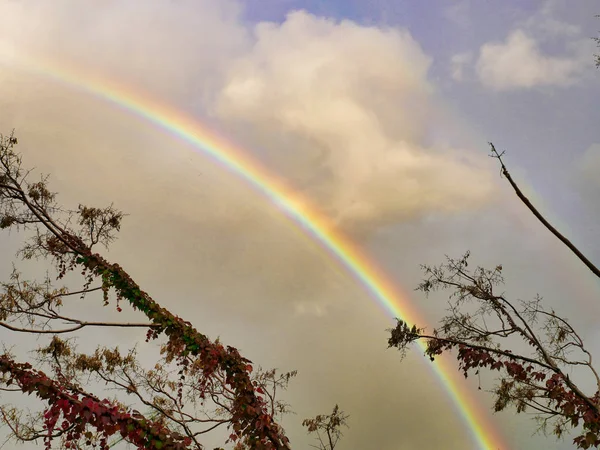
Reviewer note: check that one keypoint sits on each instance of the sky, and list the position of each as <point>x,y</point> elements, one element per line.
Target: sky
<point>380,113</point>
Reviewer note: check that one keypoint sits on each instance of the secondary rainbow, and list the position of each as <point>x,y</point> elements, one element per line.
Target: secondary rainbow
<point>296,208</point>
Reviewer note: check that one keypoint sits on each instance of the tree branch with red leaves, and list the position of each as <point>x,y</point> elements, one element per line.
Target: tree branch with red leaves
<point>80,411</point>
<point>67,238</point>
<point>541,359</point>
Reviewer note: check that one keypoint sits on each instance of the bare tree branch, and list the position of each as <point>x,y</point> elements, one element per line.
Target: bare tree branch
<point>541,218</point>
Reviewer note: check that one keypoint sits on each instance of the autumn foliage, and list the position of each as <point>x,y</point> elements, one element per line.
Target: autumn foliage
<point>207,370</point>
<point>539,357</point>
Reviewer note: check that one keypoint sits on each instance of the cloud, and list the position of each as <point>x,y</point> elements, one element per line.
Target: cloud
<point>340,110</point>
<point>585,179</point>
<point>519,63</point>
<point>547,26</point>
<point>459,63</point>
<point>357,101</point>
<point>589,165</point>
<point>347,113</point>
<point>459,13</point>
<point>542,50</point>
<point>133,41</point>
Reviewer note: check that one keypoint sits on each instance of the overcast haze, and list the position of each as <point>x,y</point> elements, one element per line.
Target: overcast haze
<point>379,112</point>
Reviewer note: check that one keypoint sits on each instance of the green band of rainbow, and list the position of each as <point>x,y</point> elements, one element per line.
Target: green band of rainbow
<point>316,225</point>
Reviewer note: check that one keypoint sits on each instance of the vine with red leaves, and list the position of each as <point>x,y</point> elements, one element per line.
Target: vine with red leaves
<point>577,409</point>
<point>78,411</point>
<point>534,380</point>
<point>32,205</point>
<point>249,417</point>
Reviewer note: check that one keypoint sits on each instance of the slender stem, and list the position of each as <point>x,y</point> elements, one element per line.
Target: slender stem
<point>541,218</point>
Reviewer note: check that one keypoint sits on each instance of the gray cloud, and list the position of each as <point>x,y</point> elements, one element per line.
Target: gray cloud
<point>588,166</point>
<point>169,49</point>
<point>546,22</point>
<point>198,239</point>
<point>341,111</point>
<point>584,178</point>
<point>343,114</point>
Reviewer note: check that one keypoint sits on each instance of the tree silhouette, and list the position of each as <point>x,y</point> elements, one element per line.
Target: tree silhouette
<point>328,428</point>
<point>483,328</point>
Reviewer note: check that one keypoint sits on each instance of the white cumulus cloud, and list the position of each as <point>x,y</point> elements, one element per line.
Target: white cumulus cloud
<point>358,101</point>
<point>519,62</point>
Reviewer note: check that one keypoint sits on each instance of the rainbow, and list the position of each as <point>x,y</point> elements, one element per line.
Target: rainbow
<point>297,209</point>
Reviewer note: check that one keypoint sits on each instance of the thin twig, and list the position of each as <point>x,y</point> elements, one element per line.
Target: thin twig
<point>78,327</point>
